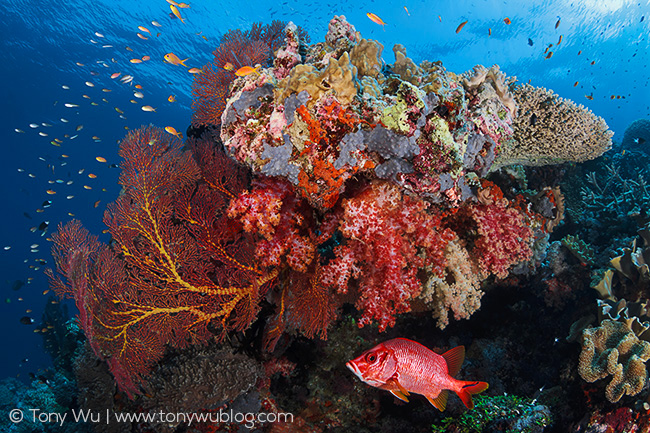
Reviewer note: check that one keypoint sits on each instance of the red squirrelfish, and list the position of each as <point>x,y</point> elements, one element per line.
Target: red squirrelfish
<point>403,366</point>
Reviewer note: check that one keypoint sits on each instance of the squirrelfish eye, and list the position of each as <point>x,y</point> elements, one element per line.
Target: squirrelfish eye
<point>371,357</point>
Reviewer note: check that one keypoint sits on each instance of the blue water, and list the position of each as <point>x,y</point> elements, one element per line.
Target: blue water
<point>41,43</point>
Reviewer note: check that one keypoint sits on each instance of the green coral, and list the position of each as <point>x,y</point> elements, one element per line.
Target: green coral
<point>580,249</point>
<point>520,414</point>
<point>395,116</point>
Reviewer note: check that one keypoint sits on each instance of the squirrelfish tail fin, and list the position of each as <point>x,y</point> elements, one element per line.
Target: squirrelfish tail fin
<point>454,358</point>
<point>468,389</point>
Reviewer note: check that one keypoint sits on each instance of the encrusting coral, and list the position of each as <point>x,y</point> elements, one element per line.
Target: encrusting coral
<point>437,129</point>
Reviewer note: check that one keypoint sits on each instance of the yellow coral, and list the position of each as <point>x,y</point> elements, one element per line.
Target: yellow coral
<point>338,76</point>
<point>405,67</point>
<point>458,291</point>
<point>395,116</point>
<point>366,56</point>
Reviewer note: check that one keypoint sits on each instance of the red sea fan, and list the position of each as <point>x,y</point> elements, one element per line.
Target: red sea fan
<point>210,89</point>
<point>209,93</point>
<point>176,271</point>
<point>282,224</point>
<point>241,50</point>
<point>271,34</point>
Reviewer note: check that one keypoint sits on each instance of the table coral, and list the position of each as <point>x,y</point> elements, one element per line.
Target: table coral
<point>550,130</point>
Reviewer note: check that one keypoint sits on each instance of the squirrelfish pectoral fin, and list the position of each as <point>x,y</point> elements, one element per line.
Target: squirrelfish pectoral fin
<point>454,358</point>
<point>397,389</point>
<point>401,388</point>
<point>399,395</point>
<point>439,402</point>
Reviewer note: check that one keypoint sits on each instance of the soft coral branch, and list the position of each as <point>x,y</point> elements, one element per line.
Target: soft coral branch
<point>388,237</point>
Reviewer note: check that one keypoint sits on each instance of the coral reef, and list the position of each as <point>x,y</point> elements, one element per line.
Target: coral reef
<point>340,114</point>
<point>501,236</point>
<point>458,290</point>
<point>237,48</point>
<point>329,195</point>
<point>506,413</point>
<point>172,271</point>
<point>614,193</point>
<point>199,378</point>
<point>384,230</point>
<point>96,389</point>
<point>634,261</point>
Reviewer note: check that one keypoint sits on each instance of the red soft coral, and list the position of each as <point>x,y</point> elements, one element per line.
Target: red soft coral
<point>388,238</point>
<point>272,210</point>
<point>499,233</point>
<point>283,224</point>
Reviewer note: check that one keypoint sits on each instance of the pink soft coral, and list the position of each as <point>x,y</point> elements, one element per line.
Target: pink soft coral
<point>388,238</point>
<point>272,210</point>
<point>502,238</point>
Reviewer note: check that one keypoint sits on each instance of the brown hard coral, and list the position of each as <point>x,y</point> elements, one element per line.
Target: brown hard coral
<point>549,129</point>
<point>613,349</point>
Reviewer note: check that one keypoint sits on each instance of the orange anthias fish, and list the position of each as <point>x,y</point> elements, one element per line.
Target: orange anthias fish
<point>246,70</point>
<point>175,60</point>
<point>403,366</point>
<point>375,19</point>
<point>176,13</point>
<point>171,130</point>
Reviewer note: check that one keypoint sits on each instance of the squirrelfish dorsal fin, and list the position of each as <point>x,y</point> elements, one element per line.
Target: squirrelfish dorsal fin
<point>439,402</point>
<point>454,358</point>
